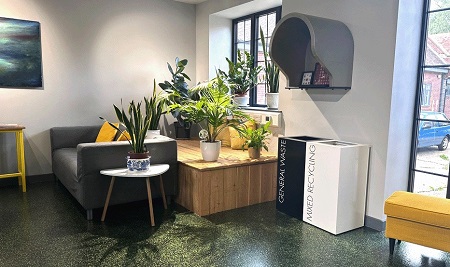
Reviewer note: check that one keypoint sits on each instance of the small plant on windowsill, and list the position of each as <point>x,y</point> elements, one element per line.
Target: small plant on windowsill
<point>271,75</point>
<point>243,75</point>
<point>256,140</point>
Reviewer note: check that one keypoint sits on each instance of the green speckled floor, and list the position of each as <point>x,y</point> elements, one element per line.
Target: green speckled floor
<point>45,227</point>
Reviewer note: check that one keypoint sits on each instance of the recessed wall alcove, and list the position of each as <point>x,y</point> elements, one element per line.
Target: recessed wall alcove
<point>300,41</point>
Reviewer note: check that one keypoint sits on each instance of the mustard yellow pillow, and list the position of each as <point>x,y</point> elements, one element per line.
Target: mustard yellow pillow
<point>235,140</point>
<point>123,136</point>
<point>224,136</point>
<point>107,133</point>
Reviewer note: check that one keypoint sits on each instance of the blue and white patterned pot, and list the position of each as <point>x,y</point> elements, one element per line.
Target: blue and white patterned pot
<point>138,163</point>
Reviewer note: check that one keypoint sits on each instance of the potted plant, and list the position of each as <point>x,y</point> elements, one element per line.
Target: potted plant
<point>136,125</point>
<point>256,140</point>
<point>243,75</point>
<point>178,90</point>
<point>271,75</point>
<point>213,111</point>
<point>154,107</point>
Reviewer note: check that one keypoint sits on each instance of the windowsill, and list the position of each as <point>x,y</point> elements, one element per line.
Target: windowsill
<point>265,109</point>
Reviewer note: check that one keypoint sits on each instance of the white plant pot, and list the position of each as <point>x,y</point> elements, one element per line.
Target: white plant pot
<point>241,101</point>
<point>272,100</point>
<point>210,151</point>
<point>152,133</point>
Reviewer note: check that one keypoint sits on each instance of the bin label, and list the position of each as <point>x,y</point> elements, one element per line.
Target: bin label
<point>282,169</point>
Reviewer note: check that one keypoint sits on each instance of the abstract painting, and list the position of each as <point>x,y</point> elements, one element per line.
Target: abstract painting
<point>20,53</point>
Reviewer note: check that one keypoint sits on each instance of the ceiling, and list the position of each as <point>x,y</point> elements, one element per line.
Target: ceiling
<point>194,2</point>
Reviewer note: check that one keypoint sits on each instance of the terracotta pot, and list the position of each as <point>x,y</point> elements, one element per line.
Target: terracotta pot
<point>210,150</point>
<point>254,153</point>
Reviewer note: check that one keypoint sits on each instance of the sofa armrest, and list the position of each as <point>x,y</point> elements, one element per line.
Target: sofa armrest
<point>93,157</point>
<point>70,137</point>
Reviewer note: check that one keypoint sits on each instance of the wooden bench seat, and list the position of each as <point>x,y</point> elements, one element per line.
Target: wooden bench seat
<point>419,219</point>
<point>231,182</point>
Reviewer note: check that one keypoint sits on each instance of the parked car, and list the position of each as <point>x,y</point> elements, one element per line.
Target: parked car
<point>434,133</point>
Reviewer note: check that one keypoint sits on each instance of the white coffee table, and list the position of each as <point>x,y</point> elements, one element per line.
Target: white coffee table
<point>154,170</point>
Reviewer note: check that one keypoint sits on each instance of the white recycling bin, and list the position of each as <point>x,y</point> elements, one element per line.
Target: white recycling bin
<point>335,185</point>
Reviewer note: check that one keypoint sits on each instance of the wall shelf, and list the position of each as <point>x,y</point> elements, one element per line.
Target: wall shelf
<point>314,87</point>
<point>300,41</point>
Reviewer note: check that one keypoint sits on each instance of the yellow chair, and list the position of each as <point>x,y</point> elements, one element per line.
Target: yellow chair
<point>18,130</point>
<point>419,219</point>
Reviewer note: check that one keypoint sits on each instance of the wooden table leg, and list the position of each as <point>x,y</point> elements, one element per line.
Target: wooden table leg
<point>149,194</point>
<point>105,208</point>
<point>161,187</point>
<point>21,160</point>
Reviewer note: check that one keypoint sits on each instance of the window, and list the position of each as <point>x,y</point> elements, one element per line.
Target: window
<point>426,91</point>
<point>246,38</point>
<point>431,155</point>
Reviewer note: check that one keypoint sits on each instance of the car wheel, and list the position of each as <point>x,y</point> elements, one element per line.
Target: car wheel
<point>444,144</point>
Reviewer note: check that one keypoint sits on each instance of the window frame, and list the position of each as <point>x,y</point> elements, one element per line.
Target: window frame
<point>418,101</point>
<point>254,32</point>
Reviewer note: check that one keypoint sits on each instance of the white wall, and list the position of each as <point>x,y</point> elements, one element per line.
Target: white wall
<point>94,53</point>
<point>362,114</point>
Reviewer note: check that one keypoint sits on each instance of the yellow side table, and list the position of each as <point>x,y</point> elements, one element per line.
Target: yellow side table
<point>18,130</point>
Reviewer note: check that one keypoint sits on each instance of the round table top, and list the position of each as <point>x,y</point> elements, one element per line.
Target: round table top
<point>154,170</point>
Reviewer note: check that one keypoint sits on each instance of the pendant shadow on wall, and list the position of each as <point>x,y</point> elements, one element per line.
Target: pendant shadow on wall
<point>326,95</point>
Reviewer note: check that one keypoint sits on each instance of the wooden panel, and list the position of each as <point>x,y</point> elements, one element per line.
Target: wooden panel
<point>180,199</point>
<point>254,193</point>
<point>243,185</point>
<point>230,188</point>
<point>216,203</point>
<point>268,179</point>
<point>205,194</point>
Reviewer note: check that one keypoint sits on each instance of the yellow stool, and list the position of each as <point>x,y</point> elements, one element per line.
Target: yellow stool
<point>18,130</point>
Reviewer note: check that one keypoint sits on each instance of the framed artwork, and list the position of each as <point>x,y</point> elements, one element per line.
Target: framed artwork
<point>321,77</point>
<point>307,77</point>
<point>20,53</point>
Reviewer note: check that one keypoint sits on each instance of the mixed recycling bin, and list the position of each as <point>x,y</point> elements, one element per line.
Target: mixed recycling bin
<point>335,185</point>
<point>291,173</point>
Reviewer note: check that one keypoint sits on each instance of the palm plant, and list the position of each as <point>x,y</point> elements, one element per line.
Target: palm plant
<point>271,71</point>
<point>214,111</point>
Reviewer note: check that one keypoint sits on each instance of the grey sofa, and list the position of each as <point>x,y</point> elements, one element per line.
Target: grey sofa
<point>77,161</point>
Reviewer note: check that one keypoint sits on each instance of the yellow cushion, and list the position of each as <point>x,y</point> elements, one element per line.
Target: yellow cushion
<point>224,136</point>
<point>236,141</point>
<point>107,133</point>
<point>123,136</point>
<point>418,208</point>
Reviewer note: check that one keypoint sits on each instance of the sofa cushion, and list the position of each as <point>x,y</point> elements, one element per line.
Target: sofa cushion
<point>418,208</point>
<point>107,133</point>
<point>236,141</point>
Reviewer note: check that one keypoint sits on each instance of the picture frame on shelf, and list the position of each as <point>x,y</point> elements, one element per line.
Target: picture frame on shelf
<point>307,77</point>
<point>321,76</point>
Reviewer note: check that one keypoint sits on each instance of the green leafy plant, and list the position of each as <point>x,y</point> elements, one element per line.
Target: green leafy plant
<point>178,89</point>
<point>271,71</point>
<point>214,110</point>
<point>135,123</point>
<point>243,75</point>
<point>154,107</point>
<point>256,138</point>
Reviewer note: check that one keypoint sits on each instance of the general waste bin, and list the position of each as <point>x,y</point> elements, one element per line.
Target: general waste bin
<point>291,173</point>
<point>335,185</point>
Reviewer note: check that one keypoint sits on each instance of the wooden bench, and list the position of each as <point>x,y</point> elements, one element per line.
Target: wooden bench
<point>233,181</point>
<point>419,219</point>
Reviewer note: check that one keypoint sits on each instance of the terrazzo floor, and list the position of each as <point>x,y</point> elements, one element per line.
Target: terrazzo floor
<point>46,227</point>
